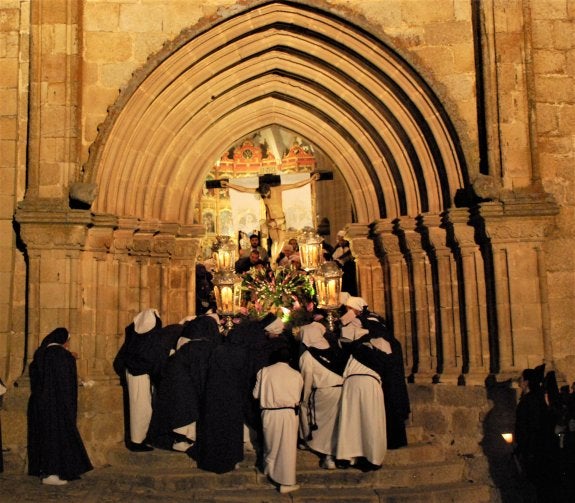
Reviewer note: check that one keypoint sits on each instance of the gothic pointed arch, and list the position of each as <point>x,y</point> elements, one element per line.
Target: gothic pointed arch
<point>281,63</point>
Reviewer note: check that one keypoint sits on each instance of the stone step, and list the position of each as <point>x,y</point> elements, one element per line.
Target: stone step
<point>417,453</point>
<point>107,485</point>
<point>172,471</point>
<point>460,491</point>
<point>469,493</point>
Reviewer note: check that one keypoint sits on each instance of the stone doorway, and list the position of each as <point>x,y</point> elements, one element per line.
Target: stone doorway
<point>424,245</point>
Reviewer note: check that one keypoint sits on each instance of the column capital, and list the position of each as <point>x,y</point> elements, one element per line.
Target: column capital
<point>517,219</point>
<point>53,228</point>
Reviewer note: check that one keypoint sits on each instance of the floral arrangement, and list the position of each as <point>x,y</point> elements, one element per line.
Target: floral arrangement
<point>284,288</point>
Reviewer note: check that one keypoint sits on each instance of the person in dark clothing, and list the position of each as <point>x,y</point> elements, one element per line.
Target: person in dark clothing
<point>56,452</point>
<point>536,446</point>
<point>261,340</point>
<point>179,395</point>
<point>343,257</point>
<point>139,363</point>
<point>220,431</point>
<point>396,398</point>
<point>204,290</point>
<point>244,264</point>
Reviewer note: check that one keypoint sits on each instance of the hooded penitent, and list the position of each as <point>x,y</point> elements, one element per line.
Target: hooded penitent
<point>54,443</point>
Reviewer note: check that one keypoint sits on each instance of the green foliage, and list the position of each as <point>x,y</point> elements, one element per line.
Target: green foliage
<point>284,287</point>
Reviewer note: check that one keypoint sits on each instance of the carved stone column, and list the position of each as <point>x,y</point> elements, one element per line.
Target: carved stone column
<point>53,239</point>
<point>397,292</point>
<point>474,346</point>
<point>99,298</point>
<point>516,229</point>
<point>369,270</point>
<point>421,295</point>
<point>447,327</point>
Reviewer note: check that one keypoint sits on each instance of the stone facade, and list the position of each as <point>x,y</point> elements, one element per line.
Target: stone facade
<point>451,121</point>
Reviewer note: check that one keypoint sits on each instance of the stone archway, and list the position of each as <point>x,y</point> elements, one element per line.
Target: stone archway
<point>315,73</point>
<point>277,63</point>
<point>428,265</point>
<point>282,63</point>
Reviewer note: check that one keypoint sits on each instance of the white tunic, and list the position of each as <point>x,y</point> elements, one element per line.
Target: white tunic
<point>321,402</point>
<point>140,403</point>
<point>362,415</point>
<point>279,386</point>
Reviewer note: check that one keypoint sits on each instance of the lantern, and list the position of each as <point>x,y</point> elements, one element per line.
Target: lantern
<point>225,256</point>
<point>328,287</point>
<point>228,293</point>
<point>310,250</point>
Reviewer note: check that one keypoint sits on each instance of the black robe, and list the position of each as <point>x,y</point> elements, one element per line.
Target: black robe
<point>333,358</point>
<point>536,446</point>
<point>220,429</point>
<point>143,353</point>
<point>259,349</point>
<point>178,397</point>
<point>392,373</point>
<point>54,443</point>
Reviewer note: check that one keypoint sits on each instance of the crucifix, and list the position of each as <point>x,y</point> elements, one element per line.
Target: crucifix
<point>270,189</point>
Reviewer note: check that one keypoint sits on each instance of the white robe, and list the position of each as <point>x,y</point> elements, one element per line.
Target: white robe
<point>140,403</point>
<point>279,386</point>
<point>362,429</point>
<point>324,405</point>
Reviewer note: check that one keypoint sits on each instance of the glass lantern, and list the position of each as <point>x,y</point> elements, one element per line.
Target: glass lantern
<point>228,293</point>
<point>328,287</point>
<point>226,254</point>
<point>310,250</point>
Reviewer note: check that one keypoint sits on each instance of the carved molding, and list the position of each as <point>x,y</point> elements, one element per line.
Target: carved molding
<point>362,248</point>
<point>520,219</point>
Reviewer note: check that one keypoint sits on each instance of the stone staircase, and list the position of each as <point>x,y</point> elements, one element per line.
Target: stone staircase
<point>455,454</point>
<point>419,472</point>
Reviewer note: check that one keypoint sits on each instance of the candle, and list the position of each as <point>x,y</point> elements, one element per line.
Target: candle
<point>331,293</point>
<point>508,437</point>
<point>227,300</point>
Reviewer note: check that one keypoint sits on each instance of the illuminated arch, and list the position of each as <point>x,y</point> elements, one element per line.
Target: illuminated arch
<point>291,65</point>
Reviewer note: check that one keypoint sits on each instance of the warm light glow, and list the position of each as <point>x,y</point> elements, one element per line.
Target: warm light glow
<point>328,285</point>
<point>508,437</point>
<point>225,256</point>
<point>310,250</point>
<point>228,292</point>
<point>332,294</point>
<point>227,299</point>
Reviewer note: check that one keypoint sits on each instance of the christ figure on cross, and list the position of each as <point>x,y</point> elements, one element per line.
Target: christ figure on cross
<point>272,199</point>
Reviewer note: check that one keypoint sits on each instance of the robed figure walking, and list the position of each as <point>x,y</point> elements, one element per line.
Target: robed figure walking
<point>56,452</point>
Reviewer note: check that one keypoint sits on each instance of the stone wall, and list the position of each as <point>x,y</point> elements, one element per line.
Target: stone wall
<point>65,63</point>
<point>14,86</point>
<point>553,102</point>
<point>534,105</point>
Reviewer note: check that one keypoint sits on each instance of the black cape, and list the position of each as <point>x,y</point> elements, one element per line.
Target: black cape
<point>145,353</point>
<point>333,358</point>
<point>391,369</point>
<point>536,446</point>
<point>179,395</point>
<point>259,350</point>
<point>220,429</point>
<point>54,443</point>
